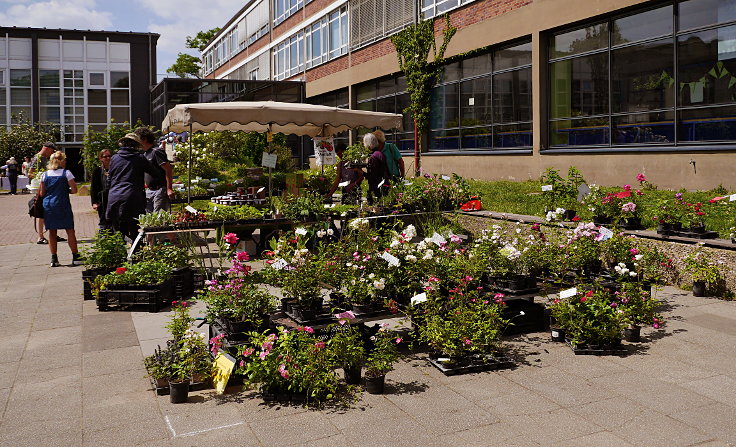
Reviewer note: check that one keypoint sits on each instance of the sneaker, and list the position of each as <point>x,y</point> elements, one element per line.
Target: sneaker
<point>42,241</point>
<point>60,239</point>
<point>54,261</point>
<point>77,259</point>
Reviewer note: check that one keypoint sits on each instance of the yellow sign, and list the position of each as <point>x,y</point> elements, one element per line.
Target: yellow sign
<point>224,365</point>
<point>269,136</point>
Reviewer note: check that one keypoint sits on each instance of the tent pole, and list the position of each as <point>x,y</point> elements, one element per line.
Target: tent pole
<point>189,169</point>
<point>269,137</point>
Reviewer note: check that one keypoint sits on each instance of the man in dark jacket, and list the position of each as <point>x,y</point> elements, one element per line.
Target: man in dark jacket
<point>99,189</point>
<point>127,196</point>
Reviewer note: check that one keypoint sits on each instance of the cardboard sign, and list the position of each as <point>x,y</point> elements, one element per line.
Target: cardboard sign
<point>605,233</point>
<point>190,209</point>
<point>324,151</point>
<point>301,231</point>
<point>546,188</point>
<point>391,259</point>
<point>224,366</point>
<point>381,183</point>
<point>269,160</point>
<point>732,198</point>
<point>343,184</point>
<point>420,298</point>
<point>569,292</point>
<point>445,177</point>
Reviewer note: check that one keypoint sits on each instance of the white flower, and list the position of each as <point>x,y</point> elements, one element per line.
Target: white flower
<point>321,233</point>
<point>411,258</point>
<point>638,257</point>
<point>410,232</point>
<point>380,284</point>
<point>632,274</point>
<point>330,232</point>
<point>395,243</point>
<point>560,210</point>
<point>372,275</point>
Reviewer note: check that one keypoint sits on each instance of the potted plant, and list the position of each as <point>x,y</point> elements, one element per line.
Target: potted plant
<point>238,305</point>
<point>107,252</point>
<point>124,286</point>
<point>179,365</point>
<point>380,359</point>
<point>667,216</point>
<point>589,319</point>
<point>178,259</point>
<point>348,348</point>
<point>599,203</point>
<point>638,308</point>
<point>156,221</point>
<point>693,217</point>
<point>703,270</point>
<point>564,191</point>
<point>157,368</point>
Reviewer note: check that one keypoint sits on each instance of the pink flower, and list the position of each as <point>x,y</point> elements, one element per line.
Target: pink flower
<point>614,304</point>
<point>231,238</point>
<point>634,251</point>
<point>628,207</point>
<point>319,345</point>
<point>399,340</point>
<point>308,330</point>
<point>627,187</point>
<point>242,256</point>
<point>263,355</point>
<point>283,371</point>
<point>467,341</point>
<point>454,239</point>
<point>641,178</point>
<point>345,317</point>
<point>248,351</point>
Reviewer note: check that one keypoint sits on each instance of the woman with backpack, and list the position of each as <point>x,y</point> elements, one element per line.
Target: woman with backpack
<point>56,185</point>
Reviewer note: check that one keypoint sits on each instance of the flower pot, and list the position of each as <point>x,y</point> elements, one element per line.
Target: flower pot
<point>375,385</point>
<point>362,308</point>
<point>557,334</point>
<point>698,288</point>
<point>630,223</point>
<point>601,220</point>
<point>632,334</point>
<point>664,228</point>
<point>352,374</point>
<point>178,392</point>
<point>698,229</point>
<point>569,214</point>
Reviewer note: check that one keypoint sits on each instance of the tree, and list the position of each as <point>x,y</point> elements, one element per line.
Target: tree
<point>185,66</point>
<point>24,139</point>
<point>95,141</point>
<point>413,45</point>
<point>200,41</point>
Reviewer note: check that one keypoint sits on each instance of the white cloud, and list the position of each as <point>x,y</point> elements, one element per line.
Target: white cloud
<point>70,14</point>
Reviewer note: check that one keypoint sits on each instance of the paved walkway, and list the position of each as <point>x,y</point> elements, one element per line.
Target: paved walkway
<point>72,376</point>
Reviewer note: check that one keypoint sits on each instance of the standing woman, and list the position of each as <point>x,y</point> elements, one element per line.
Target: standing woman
<point>56,184</point>
<point>11,170</point>
<point>99,189</point>
<point>126,198</point>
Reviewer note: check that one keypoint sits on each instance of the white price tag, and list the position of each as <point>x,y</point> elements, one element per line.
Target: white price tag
<point>391,259</point>
<point>190,209</point>
<point>343,184</point>
<point>546,188</point>
<point>301,231</point>
<point>605,233</point>
<point>420,298</point>
<point>408,183</point>
<point>381,184</point>
<point>196,180</point>
<point>269,160</point>
<point>260,190</point>
<point>438,239</point>
<point>279,264</point>
<point>445,177</point>
<point>732,198</point>
<point>569,292</point>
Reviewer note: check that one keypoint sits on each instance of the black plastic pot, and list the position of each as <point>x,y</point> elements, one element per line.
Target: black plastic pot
<point>698,229</point>
<point>352,374</point>
<point>557,334</point>
<point>178,392</point>
<point>601,220</point>
<point>632,334</point>
<point>569,215</point>
<point>375,385</point>
<point>698,288</point>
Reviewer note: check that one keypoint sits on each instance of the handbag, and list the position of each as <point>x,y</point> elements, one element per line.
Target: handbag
<point>33,207</point>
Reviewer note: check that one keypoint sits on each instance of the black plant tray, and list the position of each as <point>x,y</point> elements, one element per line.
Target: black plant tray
<point>328,317</point>
<point>492,363</point>
<point>584,350</point>
<point>155,297</point>
<point>515,292</point>
<point>532,320</point>
<point>293,398</point>
<point>706,235</point>
<point>228,341</point>
<point>88,276</point>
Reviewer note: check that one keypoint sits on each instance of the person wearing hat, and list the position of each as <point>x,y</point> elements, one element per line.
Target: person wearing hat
<point>159,189</point>
<point>11,170</point>
<point>126,198</point>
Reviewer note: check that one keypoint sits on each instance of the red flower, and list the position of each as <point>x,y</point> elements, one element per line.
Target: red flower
<point>623,194</point>
<point>583,299</point>
<point>120,270</point>
<point>576,219</point>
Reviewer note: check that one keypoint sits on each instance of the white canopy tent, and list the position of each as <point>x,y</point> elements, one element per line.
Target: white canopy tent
<point>275,117</point>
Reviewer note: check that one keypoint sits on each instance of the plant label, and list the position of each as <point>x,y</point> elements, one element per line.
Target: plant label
<point>546,188</point>
<point>260,190</point>
<point>279,264</point>
<point>301,231</point>
<point>343,184</point>
<point>407,183</point>
<point>420,298</point>
<point>605,233</point>
<point>438,239</point>
<point>569,292</point>
<point>583,190</point>
<point>445,177</point>
<point>196,180</point>
<point>190,209</point>
<point>391,259</point>
<point>471,101</point>
<point>732,198</point>
<point>224,365</point>
<point>268,160</point>
<point>381,184</point>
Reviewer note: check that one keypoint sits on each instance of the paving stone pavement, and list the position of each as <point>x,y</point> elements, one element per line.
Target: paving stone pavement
<point>72,376</point>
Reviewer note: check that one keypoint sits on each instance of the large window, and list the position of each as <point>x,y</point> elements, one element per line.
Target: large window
<point>20,95</point>
<point>283,9</point>
<point>326,39</point>
<point>388,95</point>
<point>484,102</point>
<point>288,57</point>
<point>73,129</point>
<point>49,96</point>
<point>641,80</point>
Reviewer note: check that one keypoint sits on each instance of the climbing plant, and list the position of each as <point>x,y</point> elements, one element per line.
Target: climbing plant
<point>413,46</point>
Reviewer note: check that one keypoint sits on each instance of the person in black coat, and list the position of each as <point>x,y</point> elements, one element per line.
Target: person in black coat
<point>99,189</point>
<point>126,199</point>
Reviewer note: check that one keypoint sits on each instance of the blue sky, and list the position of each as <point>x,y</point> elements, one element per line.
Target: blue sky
<point>172,19</point>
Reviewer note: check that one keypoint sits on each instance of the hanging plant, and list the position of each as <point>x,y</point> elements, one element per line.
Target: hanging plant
<point>413,46</point>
